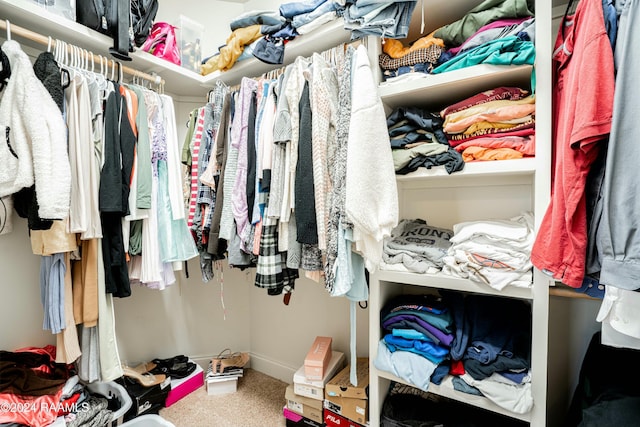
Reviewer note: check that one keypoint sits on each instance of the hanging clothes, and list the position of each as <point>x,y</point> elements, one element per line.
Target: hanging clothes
<point>37,149</point>
<point>619,246</point>
<point>115,178</point>
<point>584,109</point>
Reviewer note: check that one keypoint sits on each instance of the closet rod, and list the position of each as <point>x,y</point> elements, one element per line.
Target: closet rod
<point>44,40</point>
<point>568,293</point>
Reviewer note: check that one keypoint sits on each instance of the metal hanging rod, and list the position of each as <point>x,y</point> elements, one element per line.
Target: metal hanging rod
<point>13,29</point>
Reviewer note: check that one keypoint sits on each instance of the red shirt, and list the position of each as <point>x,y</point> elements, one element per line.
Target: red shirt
<point>583,107</point>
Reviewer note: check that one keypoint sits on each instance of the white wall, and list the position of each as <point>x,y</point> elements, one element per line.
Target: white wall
<point>21,312</point>
<point>263,4</point>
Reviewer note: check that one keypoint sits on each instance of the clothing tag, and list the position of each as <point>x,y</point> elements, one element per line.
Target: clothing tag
<point>286,298</point>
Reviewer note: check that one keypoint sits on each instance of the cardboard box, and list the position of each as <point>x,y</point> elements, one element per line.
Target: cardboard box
<point>317,358</point>
<point>340,385</point>
<point>331,419</point>
<point>353,409</point>
<point>305,406</point>
<point>182,387</point>
<point>315,388</point>
<point>295,420</point>
<point>222,385</point>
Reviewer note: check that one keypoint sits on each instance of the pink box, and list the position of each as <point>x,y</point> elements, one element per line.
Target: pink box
<point>290,415</point>
<point>317,358</point>
<point>182,387</point>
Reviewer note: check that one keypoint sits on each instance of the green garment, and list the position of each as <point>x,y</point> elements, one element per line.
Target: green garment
<point>457,32</point>
<point>506,51</point>
<point>143,187</point>
<point>186,146</point>
<point>135,238</point>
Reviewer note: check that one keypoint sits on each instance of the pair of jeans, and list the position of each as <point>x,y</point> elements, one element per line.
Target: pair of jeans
<point>289,10</point>
<point>264,17</point>
<point>305,18</point>
<point>375,19</point>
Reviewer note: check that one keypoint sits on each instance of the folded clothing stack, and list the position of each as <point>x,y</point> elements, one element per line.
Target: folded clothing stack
<point>493,252</point>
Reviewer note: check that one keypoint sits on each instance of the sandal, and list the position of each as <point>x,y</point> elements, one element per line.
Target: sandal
<point>145,379</point>
<point>225,362</point>
<point>145,367</point>
<point>177,367</point>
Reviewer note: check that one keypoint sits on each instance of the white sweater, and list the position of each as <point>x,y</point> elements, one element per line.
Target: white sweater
<point>371,194</point>
<point>38,137</point>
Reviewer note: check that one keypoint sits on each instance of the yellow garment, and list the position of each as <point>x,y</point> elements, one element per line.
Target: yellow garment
<point>471,154</point>
<point>487,106</point>
<point>85,284</point>
<point>54,240</point>
<point>236,42</point>
<point>395,49</point>
<point>481,126</point>
<point>512,114</point>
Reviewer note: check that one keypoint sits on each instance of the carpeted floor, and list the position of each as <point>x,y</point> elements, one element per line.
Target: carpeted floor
<point>258,402</point>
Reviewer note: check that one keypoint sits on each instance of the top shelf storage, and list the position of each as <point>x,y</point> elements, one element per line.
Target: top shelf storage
<point>178,80</point>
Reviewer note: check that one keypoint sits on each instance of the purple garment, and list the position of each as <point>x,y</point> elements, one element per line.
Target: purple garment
<point>411,321</point>
<point>239,141</point>
<point>495,24</point>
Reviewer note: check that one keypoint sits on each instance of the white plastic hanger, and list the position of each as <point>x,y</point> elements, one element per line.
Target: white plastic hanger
<point>8,29</point>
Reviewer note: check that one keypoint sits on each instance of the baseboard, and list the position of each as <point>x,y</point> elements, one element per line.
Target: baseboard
<point>273,368</point>
<point>260,363</point>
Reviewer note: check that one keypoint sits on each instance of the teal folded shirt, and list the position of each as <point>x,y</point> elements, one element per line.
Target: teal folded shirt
<point>505,51</point>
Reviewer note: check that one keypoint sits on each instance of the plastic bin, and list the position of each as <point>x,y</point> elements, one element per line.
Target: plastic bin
<point>150,420</point>
<point>65,8</point>
<point>111,390</point>
<point>190,35</point>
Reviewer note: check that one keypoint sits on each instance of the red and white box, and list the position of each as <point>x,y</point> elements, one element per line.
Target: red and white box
<point>331,419</point>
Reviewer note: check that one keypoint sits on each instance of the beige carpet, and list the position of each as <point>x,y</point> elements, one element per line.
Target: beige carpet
<point>257,403</point>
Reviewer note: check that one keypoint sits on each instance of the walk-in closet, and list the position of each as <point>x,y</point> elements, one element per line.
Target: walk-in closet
<point>410,182</point>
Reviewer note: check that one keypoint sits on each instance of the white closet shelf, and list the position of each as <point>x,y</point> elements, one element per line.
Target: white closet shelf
<point>445,281</point>
<point>446,389</point>
<point>439,90</point>
<point>473,170</point>
<point>178,80</point>
<point>327,36</point>
<point>27,14</point>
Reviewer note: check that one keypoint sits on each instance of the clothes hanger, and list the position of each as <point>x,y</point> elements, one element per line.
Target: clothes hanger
<point>5,72</point>
<point>8,29</point>
<point>65,77</point>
